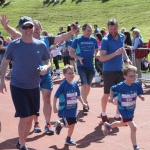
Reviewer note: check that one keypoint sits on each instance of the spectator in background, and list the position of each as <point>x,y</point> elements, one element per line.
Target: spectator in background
<point>127,42</point>
<point>60,31</point>
<point>69,29</point>
<point>44,33</point>
<point>98,37</point>
<point>136,43</point>
<point>122,30</point>
<point>133,29</point>
<point>103,33</point>
<point>97,30</point>
<point>55,54</point>
<point>104,28</point>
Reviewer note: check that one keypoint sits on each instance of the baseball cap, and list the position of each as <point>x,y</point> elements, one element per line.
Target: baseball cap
<point>132,28</point>
<point>25,20</point>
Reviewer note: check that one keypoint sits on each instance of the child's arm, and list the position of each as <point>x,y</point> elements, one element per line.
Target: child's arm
<point>54,105</point>
<point>111,96</point>
<point>142,97</point>
<point>82,102</point>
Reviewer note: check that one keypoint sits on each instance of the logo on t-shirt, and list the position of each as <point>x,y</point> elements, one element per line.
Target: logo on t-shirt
<point>128,100</point>
<point>71,100</point>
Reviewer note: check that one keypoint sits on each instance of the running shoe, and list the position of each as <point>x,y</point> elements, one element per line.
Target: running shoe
<point>70,142</point>
<point>58,127</point>
<point>49,130</point>
<point>17,145</point>
<point>37,128</point>
<point>106,128</point>
<point>24,148</point>
<point>104,118</point>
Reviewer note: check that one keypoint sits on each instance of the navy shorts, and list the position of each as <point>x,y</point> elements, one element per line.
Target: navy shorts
<point>46,82</point>
<point>111,78</point>
<point>86,75</point>
<point>26,101</point>
<point>69,121</point>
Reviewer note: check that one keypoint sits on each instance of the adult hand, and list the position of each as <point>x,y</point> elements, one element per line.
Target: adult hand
<point>80,59</point>
<point>3,88</point>
<point>128,61</point>
<point>74,28</point>
<point>43,70</point>
<point>4,21</point>
<point>120,51</point>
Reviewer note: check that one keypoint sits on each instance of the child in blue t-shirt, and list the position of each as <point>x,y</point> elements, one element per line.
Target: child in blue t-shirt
<point>68,93</point>
<point>127,93</point>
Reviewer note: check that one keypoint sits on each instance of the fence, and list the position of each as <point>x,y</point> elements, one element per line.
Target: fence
<point>141,59</point>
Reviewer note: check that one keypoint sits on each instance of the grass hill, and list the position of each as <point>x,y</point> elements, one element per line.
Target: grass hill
<point>53,15</point>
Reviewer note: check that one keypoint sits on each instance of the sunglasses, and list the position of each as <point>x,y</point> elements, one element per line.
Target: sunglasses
<point>132,76</point>
<point>27,27</point>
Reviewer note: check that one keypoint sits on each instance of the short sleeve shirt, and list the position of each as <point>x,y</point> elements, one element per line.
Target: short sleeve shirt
<point>26,58</point>
<point>85,48</point>
<point>67,94</point>
<point>110,45</point>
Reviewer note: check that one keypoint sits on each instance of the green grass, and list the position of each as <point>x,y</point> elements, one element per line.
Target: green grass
<point>128,13</point>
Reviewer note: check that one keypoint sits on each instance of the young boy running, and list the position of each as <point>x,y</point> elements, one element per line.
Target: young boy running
<point>68,93</point>
<point>126,92</point>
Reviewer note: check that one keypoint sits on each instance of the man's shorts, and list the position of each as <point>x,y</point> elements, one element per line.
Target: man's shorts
<point>69,121</point>
<point>111,78</point>
<point>86,75</point>
<point>46,82</point>
<point>26,101</point>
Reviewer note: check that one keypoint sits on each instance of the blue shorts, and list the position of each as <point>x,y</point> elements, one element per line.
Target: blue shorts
<point>86,74</point>
<point>26,101</point>
<point>46,82</point>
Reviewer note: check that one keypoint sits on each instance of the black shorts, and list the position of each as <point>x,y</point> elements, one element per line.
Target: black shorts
<point>69,121</point>
<point>26,101</point>
<point>111,78</point>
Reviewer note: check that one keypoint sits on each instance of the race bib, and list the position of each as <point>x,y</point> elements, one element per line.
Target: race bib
<point>71,100</point>
<point>128,100</point>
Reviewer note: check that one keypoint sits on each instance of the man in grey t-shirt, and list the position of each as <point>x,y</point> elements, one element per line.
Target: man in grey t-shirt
<point>26,54</point>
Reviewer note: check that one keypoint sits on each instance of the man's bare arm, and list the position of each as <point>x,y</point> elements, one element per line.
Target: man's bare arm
<point>66,36</point>
<point>12,31</point>
<point>105,57</point>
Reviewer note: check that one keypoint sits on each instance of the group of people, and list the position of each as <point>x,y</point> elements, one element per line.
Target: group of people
<point>31,50</point>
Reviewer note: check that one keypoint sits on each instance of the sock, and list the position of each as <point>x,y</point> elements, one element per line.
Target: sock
<point>135,146</point>
<point>48,124</point>
<point>68,137</point>
<point>117,115</point>
<point>103,113</point>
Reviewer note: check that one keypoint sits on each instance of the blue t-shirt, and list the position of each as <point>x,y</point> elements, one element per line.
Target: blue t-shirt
<point>69,43</point>
<point>48,41</point>
<point>85,48</point>
<point>26,58</point>
<point>97,30</point>
<point>110,45</point>
<point>68,95</point>
<point>127,96</point>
